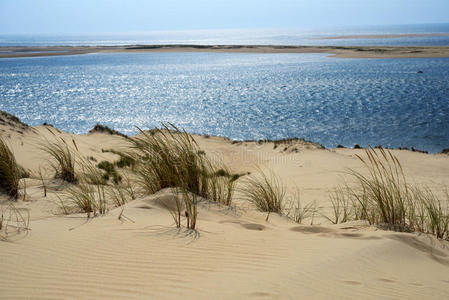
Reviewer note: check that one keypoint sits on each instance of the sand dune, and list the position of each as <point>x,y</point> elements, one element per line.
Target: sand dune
<point>236,253</point>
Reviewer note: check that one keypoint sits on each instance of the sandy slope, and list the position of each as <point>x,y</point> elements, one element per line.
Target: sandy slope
<point>236,253</point>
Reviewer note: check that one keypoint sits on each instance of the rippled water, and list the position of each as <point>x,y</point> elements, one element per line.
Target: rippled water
<point>243,96</point>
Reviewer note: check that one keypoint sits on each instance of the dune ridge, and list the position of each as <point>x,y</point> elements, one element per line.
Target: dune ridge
<point>237,252</point>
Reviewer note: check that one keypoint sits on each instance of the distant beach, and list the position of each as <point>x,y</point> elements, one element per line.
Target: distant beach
<point>385,36</point>
<point>337,51</point>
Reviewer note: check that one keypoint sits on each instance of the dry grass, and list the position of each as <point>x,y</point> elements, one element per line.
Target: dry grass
<point>9,171</point>
<point>342,205</point>
<point>384,198</point>
<point>92,194</point>
<point>13,221</point>
<point>62,157</point>
<point>264,191</point>
<point>297,211</point>
<point>171,158</point>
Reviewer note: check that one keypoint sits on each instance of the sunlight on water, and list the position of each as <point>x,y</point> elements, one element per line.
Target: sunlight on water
<point>242,96</point>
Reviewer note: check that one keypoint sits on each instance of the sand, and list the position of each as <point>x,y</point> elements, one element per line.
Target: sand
<point>236,253</point>
<point>334,51</point>
<point>385,36</point>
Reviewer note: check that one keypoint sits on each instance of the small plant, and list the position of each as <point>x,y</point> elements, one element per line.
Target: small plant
<point>13,221</point>
<point>9,171</point>
<point>90,174</point>
<point>265,191</point>
<point>341,205</point>
<point>44,185</point>
<point>118,194</point>
<point>222,185</point>
<point>90,199</point>
<point>437,214</point>
<point>299,212</point>
<point>109,168</point>
<point>125,161</point>
<point>191,208</point>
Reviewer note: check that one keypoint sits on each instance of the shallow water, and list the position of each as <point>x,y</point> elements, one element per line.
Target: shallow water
<point>243,96</point>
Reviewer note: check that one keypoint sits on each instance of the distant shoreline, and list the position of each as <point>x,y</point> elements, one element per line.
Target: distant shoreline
<point>335,51</point>
<point>384,36</point>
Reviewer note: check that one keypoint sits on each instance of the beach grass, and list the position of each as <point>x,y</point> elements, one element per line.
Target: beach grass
<point>384,198</point>
<point>265,191</point>
<point>342,206</point>
<point>297,211</point>
<point>171,158</point>
<point>62,157</point>
<point>9,171</point>
<point>86,198</point>
<point>13,221</point>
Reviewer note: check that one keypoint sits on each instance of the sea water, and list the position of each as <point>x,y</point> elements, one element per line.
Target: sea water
<point>242,96</point>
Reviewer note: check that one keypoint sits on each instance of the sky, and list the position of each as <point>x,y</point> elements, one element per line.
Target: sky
<point>125,16</point>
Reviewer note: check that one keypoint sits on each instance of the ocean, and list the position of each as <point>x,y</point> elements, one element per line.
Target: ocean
<point>328,100</point>
<point>302,36</point>
<point>241,96</point>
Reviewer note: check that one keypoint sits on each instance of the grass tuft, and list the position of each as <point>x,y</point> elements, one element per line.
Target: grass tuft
<point>384,198</point>
<point>10,173</point>
<point>171,158</point>
<point>265,191</point>
<point>298,212</point>
<point>13,221</point>
<point>62,158</point>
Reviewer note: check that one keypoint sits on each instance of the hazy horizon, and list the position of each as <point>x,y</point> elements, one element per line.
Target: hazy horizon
<point>83,17</point>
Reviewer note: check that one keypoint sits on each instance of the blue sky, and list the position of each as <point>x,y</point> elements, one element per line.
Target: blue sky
<point>112,16</point>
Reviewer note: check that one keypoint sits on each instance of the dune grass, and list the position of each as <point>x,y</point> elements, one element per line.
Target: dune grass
<point>342,205</point>
<point>264,191</point>
<point>62,157</point>
<point>93,194</point>
<point>171,158</point>
<point>9,171</point>
<point>297,211</point>
<point>13,221</point>
<point>386,194</point>
<point>384,198</point>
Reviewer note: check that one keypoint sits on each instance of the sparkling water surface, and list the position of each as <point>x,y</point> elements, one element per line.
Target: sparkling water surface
<point>242,96</point>
<point>300,36</point>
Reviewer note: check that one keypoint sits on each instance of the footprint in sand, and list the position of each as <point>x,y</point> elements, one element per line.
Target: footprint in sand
<point>416,284</point>
<point>312,229</point>
<point>260,295</point>
<point>386,280</point>
<point>254,226</point>
<point>352,282</point>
